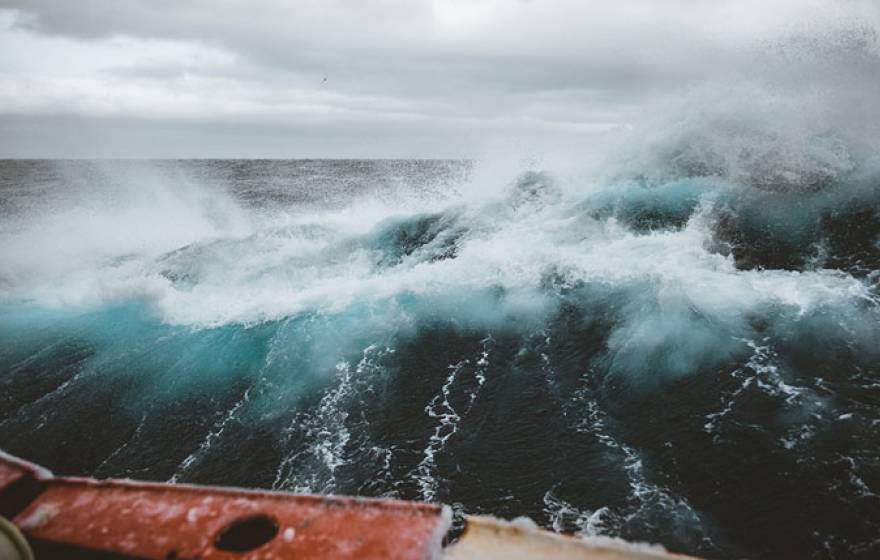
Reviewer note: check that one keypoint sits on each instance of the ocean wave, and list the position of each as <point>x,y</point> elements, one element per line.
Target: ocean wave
<point>640,352</point>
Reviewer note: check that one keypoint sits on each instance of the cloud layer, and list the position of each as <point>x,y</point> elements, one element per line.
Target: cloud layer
<point>404,78</point>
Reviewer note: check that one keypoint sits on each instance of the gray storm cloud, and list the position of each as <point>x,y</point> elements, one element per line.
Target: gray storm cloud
<point>404,78</point>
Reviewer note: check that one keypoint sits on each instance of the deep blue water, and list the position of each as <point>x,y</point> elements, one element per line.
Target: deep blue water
<point>690,358</point>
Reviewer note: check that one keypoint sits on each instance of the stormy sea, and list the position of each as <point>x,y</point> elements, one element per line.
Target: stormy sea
<point>681,347</point>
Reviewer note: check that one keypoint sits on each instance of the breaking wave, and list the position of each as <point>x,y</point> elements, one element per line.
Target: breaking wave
<point>680,346</point>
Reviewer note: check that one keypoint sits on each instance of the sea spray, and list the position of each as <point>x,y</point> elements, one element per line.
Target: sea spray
<point>679,346</point>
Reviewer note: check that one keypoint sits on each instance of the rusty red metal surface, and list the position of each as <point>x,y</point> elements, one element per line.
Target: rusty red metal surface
<point>88,519</point>
<point>20,482</point>
<point>13,469</point>
<point>151,520</point>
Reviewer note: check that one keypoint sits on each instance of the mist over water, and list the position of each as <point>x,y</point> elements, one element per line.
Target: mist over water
<point>678,346</point>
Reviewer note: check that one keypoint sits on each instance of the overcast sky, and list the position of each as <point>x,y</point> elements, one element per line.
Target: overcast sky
<point>404,78</point>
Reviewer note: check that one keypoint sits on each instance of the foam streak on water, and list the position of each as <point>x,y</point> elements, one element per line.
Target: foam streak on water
<point>447,417</point>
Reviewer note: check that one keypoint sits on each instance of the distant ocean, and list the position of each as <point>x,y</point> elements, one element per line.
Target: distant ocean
<point>683,355</point>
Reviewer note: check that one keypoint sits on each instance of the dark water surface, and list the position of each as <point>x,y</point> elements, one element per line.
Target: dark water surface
<point>690,359</point>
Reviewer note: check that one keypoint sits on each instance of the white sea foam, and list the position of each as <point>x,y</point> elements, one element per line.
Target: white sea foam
<point>199,258</point>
